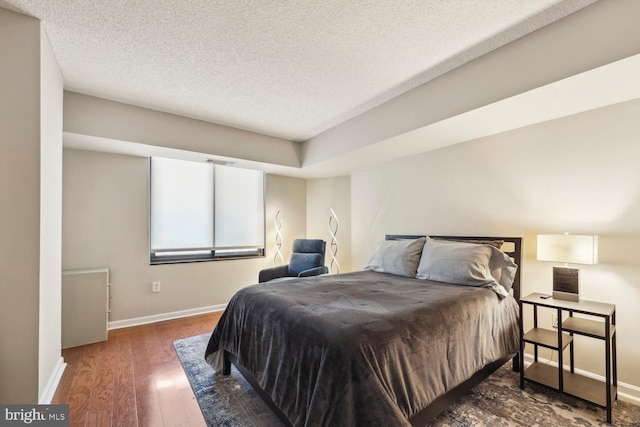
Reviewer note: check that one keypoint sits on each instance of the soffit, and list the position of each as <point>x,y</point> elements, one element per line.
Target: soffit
<point>289,68</point>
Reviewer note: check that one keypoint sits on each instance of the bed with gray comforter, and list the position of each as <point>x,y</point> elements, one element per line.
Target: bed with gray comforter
<point>363,348</point>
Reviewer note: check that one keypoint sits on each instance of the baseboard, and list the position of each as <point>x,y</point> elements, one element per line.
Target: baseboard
<point>627,392</point>
<point>47,394</point>
<point>137,321</point>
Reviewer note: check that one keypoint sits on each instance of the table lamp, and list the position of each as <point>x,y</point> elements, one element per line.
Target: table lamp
<point>569,249</point>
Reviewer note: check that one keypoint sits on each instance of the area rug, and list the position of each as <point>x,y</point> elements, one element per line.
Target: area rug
<point>498,401</point>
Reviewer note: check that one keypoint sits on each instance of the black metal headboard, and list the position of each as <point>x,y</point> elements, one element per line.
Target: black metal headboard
<point>514,252</point>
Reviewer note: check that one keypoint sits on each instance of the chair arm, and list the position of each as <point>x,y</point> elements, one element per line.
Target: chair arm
<point>270,273</point>
<point>314,271</point>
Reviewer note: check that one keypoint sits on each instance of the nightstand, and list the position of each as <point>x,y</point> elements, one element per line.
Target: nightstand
<point>596,320</point>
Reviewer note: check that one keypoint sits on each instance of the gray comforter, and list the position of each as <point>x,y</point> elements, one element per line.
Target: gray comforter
<point>363,348</point>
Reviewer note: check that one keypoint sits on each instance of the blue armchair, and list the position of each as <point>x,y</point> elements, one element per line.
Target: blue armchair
<point>307,259</point>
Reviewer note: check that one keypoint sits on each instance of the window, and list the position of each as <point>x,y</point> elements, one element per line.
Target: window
<point>203,212</point>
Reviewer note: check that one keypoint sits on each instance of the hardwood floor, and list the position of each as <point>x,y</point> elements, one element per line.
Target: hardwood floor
<point>134,378</point>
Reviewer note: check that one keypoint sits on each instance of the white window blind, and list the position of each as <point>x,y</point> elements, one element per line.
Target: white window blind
<point>181,204</point>
<point>201,211</point>
<point>239,207</point>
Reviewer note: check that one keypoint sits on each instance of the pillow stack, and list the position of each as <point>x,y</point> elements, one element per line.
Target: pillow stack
<point>478,264</point>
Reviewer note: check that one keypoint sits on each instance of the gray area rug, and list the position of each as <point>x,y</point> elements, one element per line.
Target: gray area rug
<point>498,401</point>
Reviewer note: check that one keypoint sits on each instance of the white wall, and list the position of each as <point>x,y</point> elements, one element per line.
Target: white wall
<point>322,195</point>
<point>51,363</point>
<point>30,214</point>
<point>20,212</point>
<point>578,174</point>
<point>106,222</point>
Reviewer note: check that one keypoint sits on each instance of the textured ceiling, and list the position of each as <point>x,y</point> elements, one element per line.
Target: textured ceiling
<point>287,68</point>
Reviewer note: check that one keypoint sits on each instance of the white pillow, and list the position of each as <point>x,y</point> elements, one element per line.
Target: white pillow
<point>399,257</point>
<point>466,264</point>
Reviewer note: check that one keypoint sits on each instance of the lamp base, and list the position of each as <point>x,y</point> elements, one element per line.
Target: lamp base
<point>565,283</point>
<point>566,296</point>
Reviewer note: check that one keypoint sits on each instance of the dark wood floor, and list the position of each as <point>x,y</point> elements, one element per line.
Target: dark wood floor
<point>134,378</point>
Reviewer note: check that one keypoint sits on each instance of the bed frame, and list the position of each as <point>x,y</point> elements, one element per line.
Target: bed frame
<point>442,402</point>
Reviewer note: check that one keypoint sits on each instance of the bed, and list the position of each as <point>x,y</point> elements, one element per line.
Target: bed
<point>394,344</point>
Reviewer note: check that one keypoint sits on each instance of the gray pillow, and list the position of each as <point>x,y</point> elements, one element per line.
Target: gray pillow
<point>502,268</point>
<point>466,264</point>
<point>399,257</point>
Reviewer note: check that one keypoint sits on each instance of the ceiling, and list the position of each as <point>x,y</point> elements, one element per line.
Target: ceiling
<point>285,68</point>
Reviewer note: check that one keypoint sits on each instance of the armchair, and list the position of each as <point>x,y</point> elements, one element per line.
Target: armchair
<point>307,259</point>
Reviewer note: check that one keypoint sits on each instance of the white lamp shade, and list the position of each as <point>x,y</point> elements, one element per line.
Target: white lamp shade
<point>572,249</point>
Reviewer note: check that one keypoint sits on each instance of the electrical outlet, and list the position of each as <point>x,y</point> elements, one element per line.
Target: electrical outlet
<point>155,287</point>
<point>554,320</point>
